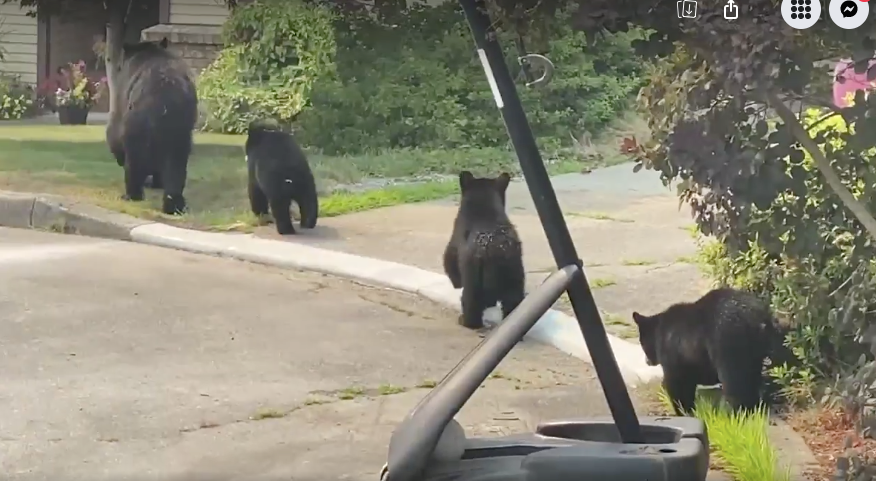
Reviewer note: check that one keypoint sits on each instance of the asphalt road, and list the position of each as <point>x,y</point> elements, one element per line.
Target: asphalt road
<point>123,361</point>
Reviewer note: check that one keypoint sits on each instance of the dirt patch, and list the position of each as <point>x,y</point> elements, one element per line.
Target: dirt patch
<point>825,432</point>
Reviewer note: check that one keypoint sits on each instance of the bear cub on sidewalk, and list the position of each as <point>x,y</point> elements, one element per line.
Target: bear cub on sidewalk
<point>484,255</point>
<point>723,337</point>
<point>278,174</point>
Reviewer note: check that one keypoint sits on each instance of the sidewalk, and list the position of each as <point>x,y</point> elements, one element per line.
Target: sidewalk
<point>129,362</point>
<point>627,229</point>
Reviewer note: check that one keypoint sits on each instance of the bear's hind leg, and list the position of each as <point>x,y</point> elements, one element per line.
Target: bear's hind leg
<point>308,207</point>
<point>681,391</point>
<point>258,201</point>
<point>135,177</point>
<point>510,300</point>
<point>174,179</point>
<point>282,218</point>
<point>474,296</point>
<point>451,265</point>
<point>741,381</point>
<point>513,288</point>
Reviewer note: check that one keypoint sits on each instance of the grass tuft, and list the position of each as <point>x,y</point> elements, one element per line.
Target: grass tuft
<point>638,262</point>
<point>600,283</point>
<point>738,440</point>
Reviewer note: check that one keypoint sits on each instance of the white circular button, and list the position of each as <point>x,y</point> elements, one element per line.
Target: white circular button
<point>801,14</point>
<point>848,14</point>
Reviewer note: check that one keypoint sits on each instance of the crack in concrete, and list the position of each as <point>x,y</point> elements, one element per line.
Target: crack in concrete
<point>394,307</point>
<point>327,397</point>
<point>351,394</point>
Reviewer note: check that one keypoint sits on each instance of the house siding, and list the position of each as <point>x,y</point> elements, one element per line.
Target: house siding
<point>18,38</point>
<point>73,40</point>
<point>198,12</point>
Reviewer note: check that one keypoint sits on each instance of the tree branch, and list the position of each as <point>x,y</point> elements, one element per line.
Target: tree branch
<point>857,209</point>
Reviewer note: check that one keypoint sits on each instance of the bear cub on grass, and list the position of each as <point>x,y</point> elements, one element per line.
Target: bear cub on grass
<point>484,255</point>
<point>150,133</point>
<point>278,174</point>
<point>723,337</point>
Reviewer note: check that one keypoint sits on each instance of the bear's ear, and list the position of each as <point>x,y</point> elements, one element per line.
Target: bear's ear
<point>639,319</point>
<point>465,179</point>
<point>163,43</point>
<point>502,181</point>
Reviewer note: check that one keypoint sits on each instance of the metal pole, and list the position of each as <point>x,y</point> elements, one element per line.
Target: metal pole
<point>559,238</point>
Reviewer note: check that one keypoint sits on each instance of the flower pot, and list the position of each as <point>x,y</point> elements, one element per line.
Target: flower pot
<point>72,115</point>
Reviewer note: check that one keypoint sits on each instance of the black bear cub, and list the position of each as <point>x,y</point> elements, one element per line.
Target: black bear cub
<point>484,255</point>
<point>278,174</point>
<point>150,130</point>
<point>722,337</point>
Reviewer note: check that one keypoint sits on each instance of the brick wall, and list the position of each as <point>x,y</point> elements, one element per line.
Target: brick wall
<point>198,45</point>
<point>198,56</point>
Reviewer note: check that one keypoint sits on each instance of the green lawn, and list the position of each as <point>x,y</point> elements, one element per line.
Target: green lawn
<point>74,161</point>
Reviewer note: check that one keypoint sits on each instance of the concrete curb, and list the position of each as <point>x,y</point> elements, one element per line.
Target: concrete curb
<point>792,450</point>
<point>51,213</point>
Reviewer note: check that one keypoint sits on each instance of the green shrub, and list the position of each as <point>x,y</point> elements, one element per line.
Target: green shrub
<point>16,99</point>
<point>417,82</point>
<point>275,51</point>
<point>806,253</point>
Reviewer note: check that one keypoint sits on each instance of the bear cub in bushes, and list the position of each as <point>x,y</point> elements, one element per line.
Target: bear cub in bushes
<point>278,174</point>
<point>722,337</point>
<point>484,255</point>
<point>150,131</point>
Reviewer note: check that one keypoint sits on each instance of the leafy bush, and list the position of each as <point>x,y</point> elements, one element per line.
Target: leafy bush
<point>806,253</point>
<point>418,83</point>
<point>781,229</point>
<point>275,51</point>
<point>17,99</point>
<point>414,81</point>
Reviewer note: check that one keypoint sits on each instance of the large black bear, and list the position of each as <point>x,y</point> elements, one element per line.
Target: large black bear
<point>722,337</point>
<point>278,174</point>
<point>484,255</point>
<point>150,131</point>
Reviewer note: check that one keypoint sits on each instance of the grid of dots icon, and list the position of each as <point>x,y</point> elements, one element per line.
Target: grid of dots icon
<point>801,9</point>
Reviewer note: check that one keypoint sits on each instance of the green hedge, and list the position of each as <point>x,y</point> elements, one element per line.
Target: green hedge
<point>276,50</point>
<point>418,83</point>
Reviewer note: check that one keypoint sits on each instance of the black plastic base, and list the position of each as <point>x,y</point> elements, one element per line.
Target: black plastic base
<point>677,449</point>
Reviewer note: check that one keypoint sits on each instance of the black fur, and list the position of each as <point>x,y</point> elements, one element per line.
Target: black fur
<point>278,174</point>
<point>484,255</point>
<point>150,131</point>
<point>722,337</point>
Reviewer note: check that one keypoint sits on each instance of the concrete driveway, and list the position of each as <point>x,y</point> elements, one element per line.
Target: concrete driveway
<point>125,361</point>
<point>628,228</point>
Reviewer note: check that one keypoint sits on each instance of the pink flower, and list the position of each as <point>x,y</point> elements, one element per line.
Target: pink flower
<point>846,82</point>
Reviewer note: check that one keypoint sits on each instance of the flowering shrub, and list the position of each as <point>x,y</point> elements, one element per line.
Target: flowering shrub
<point>71,87</point>
<point>16,99</point>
